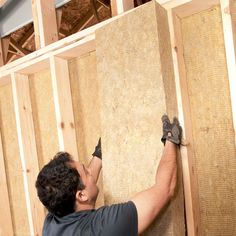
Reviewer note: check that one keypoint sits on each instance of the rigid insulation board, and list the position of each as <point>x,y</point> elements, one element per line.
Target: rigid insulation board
<point>86,107</point>
<point>44,118</point>
<point>211,115</point>
<point>13,165</point>
<point>134,67</point>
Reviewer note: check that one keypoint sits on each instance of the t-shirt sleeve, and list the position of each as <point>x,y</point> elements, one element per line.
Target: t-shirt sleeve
<point>118,219</point>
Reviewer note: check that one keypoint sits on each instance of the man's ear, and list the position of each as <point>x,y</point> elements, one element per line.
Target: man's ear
<point>81,196</point>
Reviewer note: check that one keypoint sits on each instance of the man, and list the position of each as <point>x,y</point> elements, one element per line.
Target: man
<point>68,190</point>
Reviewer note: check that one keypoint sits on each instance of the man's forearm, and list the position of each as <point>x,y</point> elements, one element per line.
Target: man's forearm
<point>95,167</point>
<point>167,170</point>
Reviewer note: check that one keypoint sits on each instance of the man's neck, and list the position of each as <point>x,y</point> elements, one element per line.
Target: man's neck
<point>83,207</point>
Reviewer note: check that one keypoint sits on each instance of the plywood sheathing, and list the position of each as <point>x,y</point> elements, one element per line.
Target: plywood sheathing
<point>86,106</point>
<point>13,163</point>
<point>211,113</point>
<point>44,116</point>
<point>137,87</point>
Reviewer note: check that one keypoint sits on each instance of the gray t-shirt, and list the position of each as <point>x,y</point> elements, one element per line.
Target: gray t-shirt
<point>115,220</point>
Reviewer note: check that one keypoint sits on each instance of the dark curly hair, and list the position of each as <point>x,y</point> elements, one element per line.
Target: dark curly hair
<point>57,184</point>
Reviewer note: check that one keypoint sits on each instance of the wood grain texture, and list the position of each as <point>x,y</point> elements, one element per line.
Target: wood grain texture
<point>213,133</point>
<point>137,87</point>
<point>12,164</point>
<point>28,150</point>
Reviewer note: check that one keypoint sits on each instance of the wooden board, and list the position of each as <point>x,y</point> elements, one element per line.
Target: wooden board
<point>137,88</point>
<point>213,133</point>
<point>86,106</point>
<point>43,115</point>
<point>13,163</point>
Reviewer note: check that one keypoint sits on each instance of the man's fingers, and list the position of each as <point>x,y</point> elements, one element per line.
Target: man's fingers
<point>176,121</point>
<point>165,118</point>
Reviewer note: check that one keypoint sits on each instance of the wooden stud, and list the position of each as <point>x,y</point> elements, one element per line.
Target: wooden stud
<point>6,225</point>
<point>229,37</point>
<point>63,105</point>
<point>1,54</point>
<point>59,18</point>
<point>45,22</point>
<point>4,45</point>
<point>28,152</point>
<point>120,6</point>
<point>187,152</point>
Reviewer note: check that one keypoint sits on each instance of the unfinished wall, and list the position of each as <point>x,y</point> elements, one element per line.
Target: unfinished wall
<point>211,114</point>
<point>137,88</point>
<point>12,164</point>
<point>43,115</point>
<point>86,107</point>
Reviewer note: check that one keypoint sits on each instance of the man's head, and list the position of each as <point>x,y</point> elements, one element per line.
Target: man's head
<point>64,185</point>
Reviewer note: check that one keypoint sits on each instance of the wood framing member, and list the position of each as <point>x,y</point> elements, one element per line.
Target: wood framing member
<point>45,22</point>
<point>194,6</point>
<point>229,37</point>
<point>120,6</point>
<point>6,225</point>
<point>7,69</point>
<point>189,178</point>
<point>79,25</point>
<point>28,35</point>
<point>63,105</point>
<point>28,152</point>
<point>4,45</point>
<point>1,54</point>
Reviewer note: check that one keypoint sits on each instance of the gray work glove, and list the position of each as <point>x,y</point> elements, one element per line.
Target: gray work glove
<point>98,150</point>
<point>171,131</point>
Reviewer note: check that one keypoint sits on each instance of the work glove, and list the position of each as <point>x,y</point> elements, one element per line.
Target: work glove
<point>98,150</point>
<point>171,131</point>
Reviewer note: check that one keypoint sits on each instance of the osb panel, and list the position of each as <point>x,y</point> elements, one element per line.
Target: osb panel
<point>135,86</point>
<point>86,106</point>
<point>13,163</point>
<point>211,115</point>
<point>43,116</point>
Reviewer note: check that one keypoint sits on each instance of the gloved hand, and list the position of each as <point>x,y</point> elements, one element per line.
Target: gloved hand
<point>171,131</point>
<point>98,150</point>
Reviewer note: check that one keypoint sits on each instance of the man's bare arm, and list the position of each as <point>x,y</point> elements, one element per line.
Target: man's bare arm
<point>150,202</point>
<point>95,164</point>
<point>95,167</point>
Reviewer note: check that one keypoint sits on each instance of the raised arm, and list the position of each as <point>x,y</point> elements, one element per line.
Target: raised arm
<point>150,202</point>
<point>95,164</point>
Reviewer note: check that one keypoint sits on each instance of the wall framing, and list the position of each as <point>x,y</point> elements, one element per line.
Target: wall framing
<point>57,54</point>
